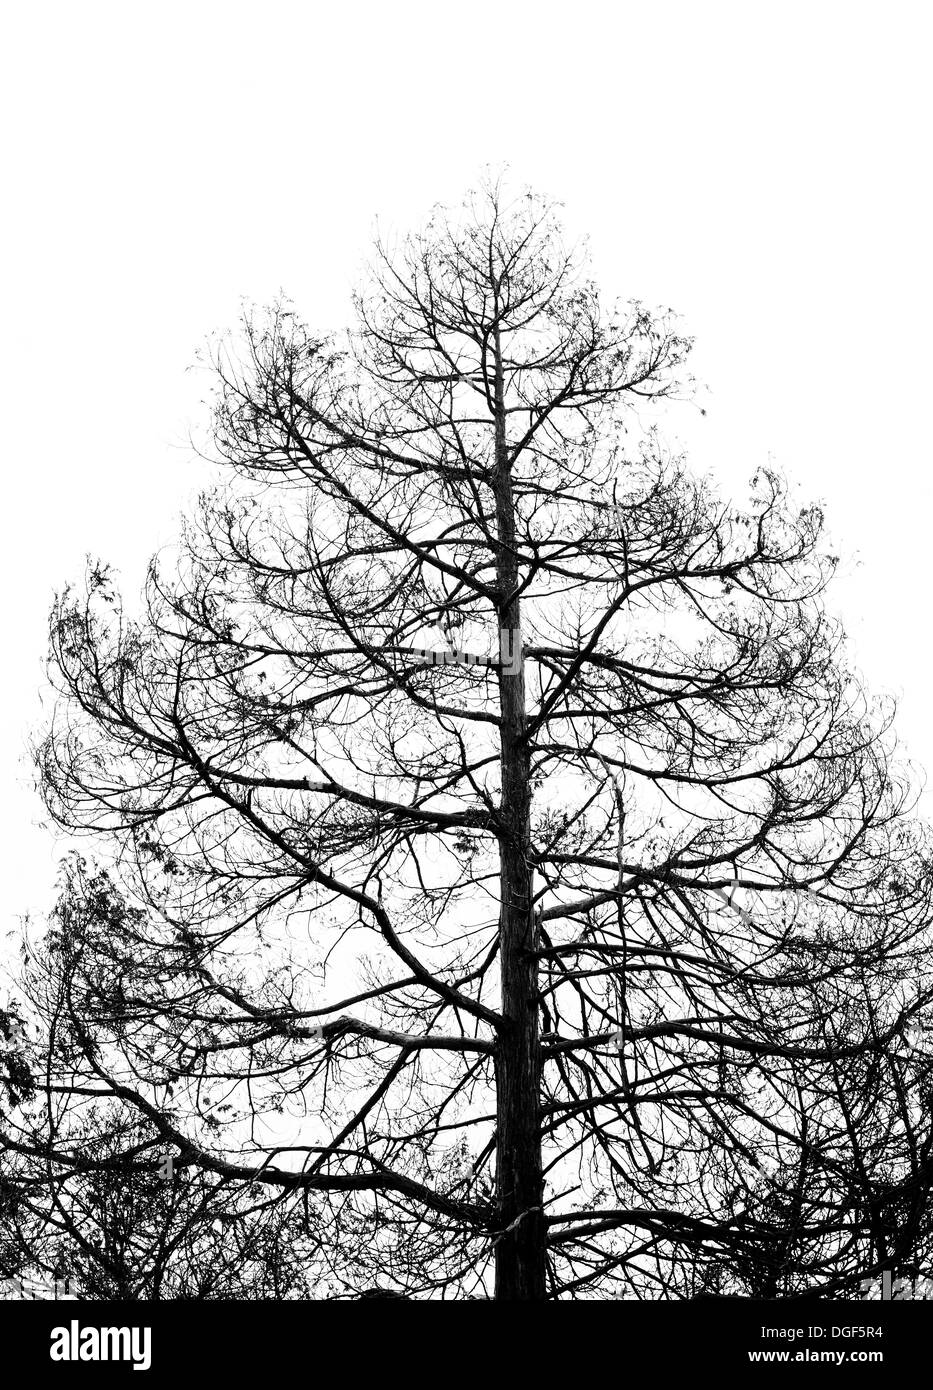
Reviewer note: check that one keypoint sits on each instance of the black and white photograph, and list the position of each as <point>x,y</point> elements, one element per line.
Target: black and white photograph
<point>466,733</point>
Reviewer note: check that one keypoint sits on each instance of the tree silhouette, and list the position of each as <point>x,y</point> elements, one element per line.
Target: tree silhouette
<point>507,860</point>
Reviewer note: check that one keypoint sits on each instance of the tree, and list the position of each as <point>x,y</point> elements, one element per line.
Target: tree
<point>91,1198</point>
<point>508,844</point>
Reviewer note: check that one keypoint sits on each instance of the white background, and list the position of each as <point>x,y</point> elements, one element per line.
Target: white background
<point>764,169</point>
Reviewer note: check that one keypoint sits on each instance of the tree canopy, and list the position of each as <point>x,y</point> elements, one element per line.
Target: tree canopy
<point>505,870</point>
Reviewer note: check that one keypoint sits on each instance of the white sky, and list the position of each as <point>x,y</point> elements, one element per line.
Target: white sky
<point>762,169</point>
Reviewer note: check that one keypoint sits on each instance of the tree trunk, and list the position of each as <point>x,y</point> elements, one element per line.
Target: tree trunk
<point>521,1250</point>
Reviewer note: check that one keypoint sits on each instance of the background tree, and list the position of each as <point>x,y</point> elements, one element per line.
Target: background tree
<point>509,846</point>
<point>91,1197</point>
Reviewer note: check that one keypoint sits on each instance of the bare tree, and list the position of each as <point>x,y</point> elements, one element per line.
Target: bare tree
<point>509,847</point>
<point>92,1200</point>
